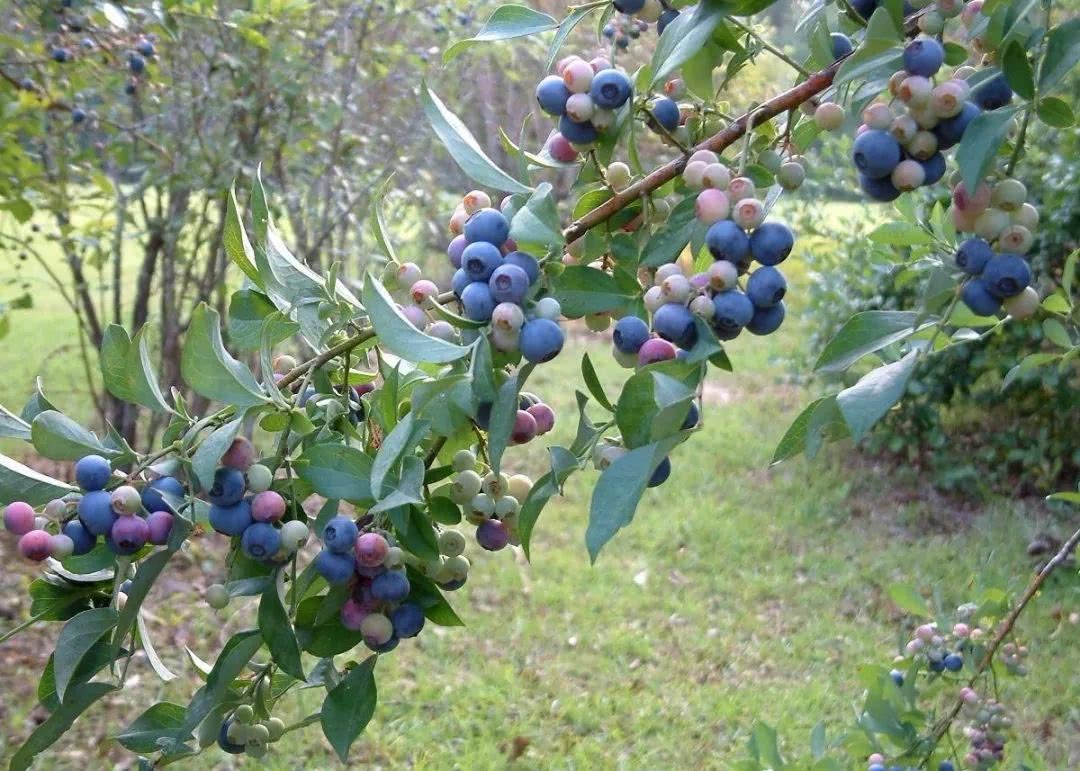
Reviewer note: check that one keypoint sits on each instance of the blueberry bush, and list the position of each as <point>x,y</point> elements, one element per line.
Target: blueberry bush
<point>401,417</point>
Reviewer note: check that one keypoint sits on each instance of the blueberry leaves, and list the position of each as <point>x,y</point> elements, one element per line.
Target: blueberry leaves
<point>349,706</point>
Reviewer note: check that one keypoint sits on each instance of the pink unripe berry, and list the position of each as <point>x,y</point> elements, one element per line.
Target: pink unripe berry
<point>675,88</point>
<point>414,314</point>
<point>509,245</point>
<point>126,500</point>
<point>675,289</point>
<point>665,271</point>
<point>560,149</point>
<point>505,340</point>
<point>371,549</point>
<point>829,116</point>
<point>705,156</point>
<point>524,428</point>
<point>925,632</point>
<point>717,176</point>
<point>599,63</point>
<point>578,76</point>
<point>60,546</point>
<point>968,695</point>
<point>457,220</point>
<point>968,203</point>
<point>694,174</point>
<point>544,417</point>
<point>422,291</point>
<point>443,330</point>
<point>948,99</point>
<point>475,200</point>
<point>702,306</point>
<point>741,187</point>
<point>408,273</point>
<point>268,506</point>
<point>904,128</point>
<point>908,175</point>
<point>35,545</point>
<point>749,213</point>
<point>712,205</point>
<point>508,316</point>
<point>1015,239</point>
<point>561,65</point>
<point>971,12</point>
<point>961,630</point>
<point>655,349</point>
<point>160,524</point>
<point>914,646</point>
<point>877,116</point>
<point>283,363</point>
<point>354,611</point>
<point>240,455</point>
<point>723,275</point>
<point>653,298</point>
<point>962,221</point>
<point>580,107</point>
<point>19,518</point>
<point>915,90</point>
<point>877,757</point>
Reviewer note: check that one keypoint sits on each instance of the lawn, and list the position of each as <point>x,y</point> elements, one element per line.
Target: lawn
<point>740,593</point>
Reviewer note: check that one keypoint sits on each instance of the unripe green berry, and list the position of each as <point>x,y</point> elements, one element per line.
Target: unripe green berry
<point>496,485</point>
<point>258,734</point>
<point>395,558</point>
<point>1027,215</point>
<point>455,569</point>
<point>55,509</point>
<point>244,713</point>
<point>126,500</point>
<point>259,478</point>
<point>791,175</point>
<point>618,175</point>
<point>451,543</point>
<point>465,486</point>
<point>932,23</point>
<point>519,487</point>
<point>294,534</point>
<point>771,159</point>
<point>506,506</point>
<point>276,727</point>
<point>283,363</point>
<point>482,505</point>
<point>237,732</point>
<point>1024,305</point>
<point>217,596</point>
<point>1009,194</point>
<point>464,460</point>
<point>597,322</point>
<point>829,116</point>
<point>255,750</point>
<point>990,223</point>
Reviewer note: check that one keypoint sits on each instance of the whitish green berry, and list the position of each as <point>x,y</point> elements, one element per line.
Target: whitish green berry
<point>294,534</point>
<point>464,460</point>
<point>465,486</point>
<point>451,543</point>
<point>506,506</point>
<point>496,485</point>
<point>259,478</point>
<point>276,727</point>
<point>519,487</point>
<point>217,596</point>
<point>244,713</point>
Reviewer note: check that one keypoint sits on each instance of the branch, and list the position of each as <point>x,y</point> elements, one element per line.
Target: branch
<point>345,346</point>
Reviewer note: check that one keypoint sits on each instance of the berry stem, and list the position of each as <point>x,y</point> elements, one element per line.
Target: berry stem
<point>330,353</point>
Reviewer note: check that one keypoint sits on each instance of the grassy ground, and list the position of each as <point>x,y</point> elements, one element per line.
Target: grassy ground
<point>739,593</point>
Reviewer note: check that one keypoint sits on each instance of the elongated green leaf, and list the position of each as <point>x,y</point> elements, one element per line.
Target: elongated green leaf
<point>503,413</point>
<point>909,600</point>
<point>1017,70</point>
<point>403,439</point>
<point>406,486</point>
<point>400,337</point>
<point>436,609</point>
<point>58,437</point>
<point>235,241</point>
<point>207,458</point>
<point>337,472</point>
<point>209,369</point>
<point>21,483</point>
<point>159,721</point>
<point>592,382</point>
<point>12,426</point>
<point>566,26</point>
<point>866,402</point>
<point>581,290</point>
<point>58,723</point>
<point>865,333</point>
<point>537,222</point>
<point>563,464</point>
<point>464,148</point>
<point>1055,112</point>
<point>349,706</point>
<point>126,369</point>
<point>378,227</point>
<point>78,636</point>
<point>1062,53</point>
<point>58,601</point>
<point>505,23</point>
<point>96,659</point>
<point>277,633</point>
<point>900,234</point>
<point>667,243</point>
<point>685,36</point>
<point>982,140</point>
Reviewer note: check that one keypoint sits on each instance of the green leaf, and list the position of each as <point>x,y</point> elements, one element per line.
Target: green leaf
<point>908,600</point>
<point>582,290</point>
<point>763,746</point>
<point>207,458</point>
<point>685,36</point>
<point>982,139</point>
<point>415,532</point>
<point>58,437</point>
<point>158,722</point>
<point>566,26</point>
<point>235,241</point>
<point>1055,112</point>
<point>506,22</point>
<point>865,333</point>
<point>503,413</point>
<point>76,639</point>
<point>12,426</point>
<point>400,337</point>
<point>1062,53</point>
<point>1017,70</point>
<point>900,234</point>
<point>667,243</point>
<point>1067,497</point>
<point>21,483</point>
<point>820,420</point>
<point>349,706</point>
<point>464,148</point>
<point>866,402</point>
<point>319,630</point>
<point>249,313</point>
<point>209,369</point>
<point>436,609</point>
<point>277,633</point>
<point>148,572</point>
<point>1055,332</point>
<point>537,222</point>
<point>96,659</point>
<point>406,486</point>
<point>403,439</point>
<point>338,472</point>
<point>37,403</point>
<point>378,228</point>
<point>58,723</point>
<point>563,464</point>
<point>126,370</point>
<point>592,382</point>
<point>57,601</point>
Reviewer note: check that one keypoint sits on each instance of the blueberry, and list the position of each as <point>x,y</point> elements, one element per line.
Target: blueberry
<point>841,45</point>
<point>946,765</point>
<point>223,740</point>
<point>937,666</point>
<point>876,153</point>
<point>61,55</point>
<point>954,662</point>
<point>477,302</point>
<point>228,487</point>
<point>231,520</point>
<point>973,255</point>
<point>923,56</point>
<point>879,189</point>
<point>526,262</point>
<point>130,87</point>
<point>977,296</point>
<point>727,241</point>
<point>340,534</point>
<point>1006,275</point>
<point>933,168</point>
<point>630,334</point>
<point>666,112</point>
<point>771,243</point>
<point>691,419</point>
<point>766,287</point>
<point>391,586</point>
<point>551,94</point>
<point>629,7</point>
<point>459,281</point>
<point>335,568</point>
<point>731,312</point>
<point>408,619</point>
<point>540,340</point>
<point>261,540</point>
<point>492,535</point>
<point>96,512</point>
<point>92,472</point>
<point>136,64</point>
<point>675,323</point>
<point>610,89</point>
<point>865,8</point>
<point>480,259</point>
<point>993,93</point>
<point>129,534</point>
<point>668,16</point>
<point>385,647</point>
<point>508,284</point>
<point>78,115</point>
<point>83,539</point>
<point>126,586</point>
<point>145,48</point>
<point>152,498</point>
<point>661,473</point>
<point>766,320</point>
<point>487,225</point>
<point>875,767</point>
<point>577,133</point>
<point>609,30</point>
<point>455,249</point>
<point>897,677</point>
<point>949,131</point>
<point>160,523</point>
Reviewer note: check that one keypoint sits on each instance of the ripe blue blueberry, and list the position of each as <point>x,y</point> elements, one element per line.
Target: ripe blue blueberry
<point>477,302</point>
<point>766,320</point>
<point>1006,275</point>
<point>335,568</point>
<point>630,334</point>
<point>551,94</point>
<point>946,765</point>
<point>136,64</point>
<point>668,16</point>
<point>526,262</point>
<point>666,112</point>
<point>306,395</point>
<point>130,87</point>
<point>691,419</point>
<point>96,512</point>
<point>83,539</point>
<point>731,312</point>
<point>841,45</point>
<point>231,520</point>
<point>727,241</point>
<point>228,487</point>
<point>78,115</point>
<point>92,472</point>
<point>675,323</point>
<point>459,281</point>
<point>879,189</point>
<point>223,740</point>
<point>661,473</point>
<point>487,225</point>
<point>937,665</point>
<point>508,284</point>
<point>993,93</point>
<point>973,255</point>
<point>480,259</point>
<point>923,56</point>
<point>340,534</point>
<point>875,767</point>
<point>61,55</point>
<point>766,287</point>
<point>629,7</point>
<point>540,340</point>
<point>949,131</point>
<point>152,499</point>
<point>609,30</point>
<point>897,677</point>
<point>771,243</point>
<point>876,153</point>
<point>954,662</point>
<point>126,586</point>
<point>977,296</point>
<point>145,48</point>
<point>261,541</point>
<point>408,620</point>
<point>865,8</point>
<point>391,586</point>
<point>610,89</point>
<point>577,133</point>
<point>128,535</point>
<point>933,168</point>
<point>385,647</point>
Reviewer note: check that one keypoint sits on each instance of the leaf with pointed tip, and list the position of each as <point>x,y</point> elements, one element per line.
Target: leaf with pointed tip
<point>866,402</point>
<point>349,706</point>
<point>78,636</point>
<point>235,241</point>
<point>21,483</point>
<point>505,23</point>
<point>399,336</point>
<point>58,723</point>
<point>209,369</point>
<point>126,369</point>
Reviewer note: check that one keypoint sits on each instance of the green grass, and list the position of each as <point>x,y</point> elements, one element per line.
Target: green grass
<point>738,594</point>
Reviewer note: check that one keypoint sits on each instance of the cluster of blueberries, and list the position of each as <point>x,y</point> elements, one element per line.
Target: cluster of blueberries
<point>876,762</point>
<point>241,733</point>
<point>142,51</point>
<point>495,283</point>
<point>491,502</point>
<point>940,652</point>
<point>645,12</point>
<point>987,724</point>
<point>125,518</point>
<point>995,279</point>
<point>622,29</point>
<point>584,96</point>
<point>607,451</point>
